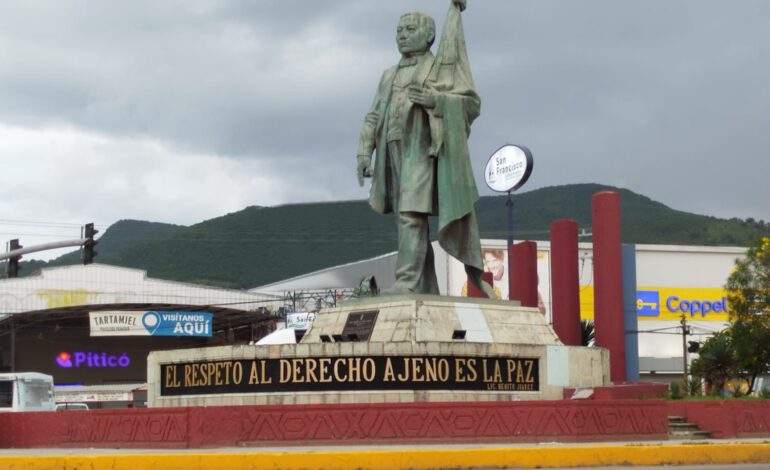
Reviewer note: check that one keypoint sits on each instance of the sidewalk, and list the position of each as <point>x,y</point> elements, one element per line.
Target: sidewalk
<point>543,455</point>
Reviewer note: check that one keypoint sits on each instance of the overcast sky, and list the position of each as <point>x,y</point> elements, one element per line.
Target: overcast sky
<point>180,111</point>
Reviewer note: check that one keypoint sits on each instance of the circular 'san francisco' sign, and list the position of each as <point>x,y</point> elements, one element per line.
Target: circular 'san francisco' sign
<point>508,168</point>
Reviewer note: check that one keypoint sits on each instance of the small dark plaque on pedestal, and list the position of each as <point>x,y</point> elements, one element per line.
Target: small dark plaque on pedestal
<point>359,325</point>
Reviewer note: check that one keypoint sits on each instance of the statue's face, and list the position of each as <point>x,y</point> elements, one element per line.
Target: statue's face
<point>410,36</point>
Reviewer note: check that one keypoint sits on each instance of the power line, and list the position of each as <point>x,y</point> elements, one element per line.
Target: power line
<point>35,223</point>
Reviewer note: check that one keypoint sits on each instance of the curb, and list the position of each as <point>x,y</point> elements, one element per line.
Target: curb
<point>522,457</point>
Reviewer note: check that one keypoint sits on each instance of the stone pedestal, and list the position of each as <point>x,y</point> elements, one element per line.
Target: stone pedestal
<point>387,349</point>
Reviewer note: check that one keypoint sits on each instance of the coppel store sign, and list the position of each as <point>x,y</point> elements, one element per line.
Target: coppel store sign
<point>670,303</point>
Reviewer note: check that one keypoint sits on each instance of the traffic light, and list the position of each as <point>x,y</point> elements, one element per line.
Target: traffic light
<point>89,244</point>
<point>12,265</point>
<point>693,346</point>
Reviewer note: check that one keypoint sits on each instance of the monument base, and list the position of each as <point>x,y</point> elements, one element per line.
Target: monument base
<point>412,348</point>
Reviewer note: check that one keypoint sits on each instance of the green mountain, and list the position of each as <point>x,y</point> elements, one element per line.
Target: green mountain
<point>120,236</point>
<point>260,245</point>
<point>642,219</point>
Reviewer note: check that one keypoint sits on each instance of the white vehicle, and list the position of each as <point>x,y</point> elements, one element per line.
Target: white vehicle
<point>26,391</point>
<point>71,406</point>
<point>282,336</point>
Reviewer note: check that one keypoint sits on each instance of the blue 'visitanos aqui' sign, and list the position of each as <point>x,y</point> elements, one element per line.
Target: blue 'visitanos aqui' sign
<point>177,323</point>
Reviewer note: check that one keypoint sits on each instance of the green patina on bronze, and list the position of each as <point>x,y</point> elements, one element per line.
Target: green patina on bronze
<point>418,128</point>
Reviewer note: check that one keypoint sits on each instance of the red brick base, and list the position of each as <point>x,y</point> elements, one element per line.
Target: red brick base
<point>475,422</point>
<point>201,427</point>
<point>726,418</point>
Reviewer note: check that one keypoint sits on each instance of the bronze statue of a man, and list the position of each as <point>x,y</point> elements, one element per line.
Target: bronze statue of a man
<point>418,125</point>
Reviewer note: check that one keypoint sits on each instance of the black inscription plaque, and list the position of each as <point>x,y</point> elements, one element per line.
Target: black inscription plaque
<point>359,325</point>
<point>512,374</point>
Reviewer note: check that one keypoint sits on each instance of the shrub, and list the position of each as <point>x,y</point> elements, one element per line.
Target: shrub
<point>674,391</point>
<point>693,386</point>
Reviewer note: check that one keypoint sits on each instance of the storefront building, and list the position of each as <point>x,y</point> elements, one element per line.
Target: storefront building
<point>92,327</point>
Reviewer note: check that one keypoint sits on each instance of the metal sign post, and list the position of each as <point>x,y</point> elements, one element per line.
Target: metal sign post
<point>507,170</point>
<point>509,205</point>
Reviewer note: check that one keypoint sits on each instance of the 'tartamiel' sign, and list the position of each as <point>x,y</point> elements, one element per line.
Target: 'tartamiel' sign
<point>511,374</point>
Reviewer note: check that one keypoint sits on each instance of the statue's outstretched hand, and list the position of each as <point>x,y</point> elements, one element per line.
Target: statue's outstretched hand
<point>363,169</point>
<point>460,3</point>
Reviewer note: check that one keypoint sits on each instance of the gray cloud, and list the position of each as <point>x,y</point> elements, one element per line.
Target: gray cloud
<point>668,99</point>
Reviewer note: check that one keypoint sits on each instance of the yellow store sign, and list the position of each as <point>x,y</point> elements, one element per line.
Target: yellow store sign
<point>668,303</point>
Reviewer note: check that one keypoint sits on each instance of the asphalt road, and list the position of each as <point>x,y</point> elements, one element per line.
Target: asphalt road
<point>758,466</point>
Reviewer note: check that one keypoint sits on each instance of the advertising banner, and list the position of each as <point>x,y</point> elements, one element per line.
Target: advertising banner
<point>496,262</point>
<point>151,323</point>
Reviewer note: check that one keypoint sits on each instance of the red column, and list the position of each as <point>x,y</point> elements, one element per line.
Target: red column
<point>608,285</point>
<point>522,277</point>
<point>565,291</point>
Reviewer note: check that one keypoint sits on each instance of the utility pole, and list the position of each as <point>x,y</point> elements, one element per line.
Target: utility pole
<point>13,343</point>
<point>683,322</point>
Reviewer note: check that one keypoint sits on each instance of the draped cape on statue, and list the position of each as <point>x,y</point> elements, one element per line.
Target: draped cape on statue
<point>451,74</point>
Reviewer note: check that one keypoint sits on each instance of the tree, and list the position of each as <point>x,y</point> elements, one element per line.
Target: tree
<point>748,296</point>
<point>751,346</point>
<point>717,362</point>
<point>748,287</point>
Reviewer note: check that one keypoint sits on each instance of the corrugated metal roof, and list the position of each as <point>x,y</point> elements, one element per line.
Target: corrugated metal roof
<point>98,285</point>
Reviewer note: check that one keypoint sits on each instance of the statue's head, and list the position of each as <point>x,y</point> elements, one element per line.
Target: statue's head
<point>415,33</point>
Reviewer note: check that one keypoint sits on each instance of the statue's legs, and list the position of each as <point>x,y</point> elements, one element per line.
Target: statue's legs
<point>415,265</point>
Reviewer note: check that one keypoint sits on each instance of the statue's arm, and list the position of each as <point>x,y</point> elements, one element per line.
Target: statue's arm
<point>367,141</point>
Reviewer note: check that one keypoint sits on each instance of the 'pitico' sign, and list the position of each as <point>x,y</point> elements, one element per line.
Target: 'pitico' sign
<point>77,359</point>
